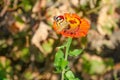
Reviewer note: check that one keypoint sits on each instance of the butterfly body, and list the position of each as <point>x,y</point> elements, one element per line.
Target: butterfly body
<point>61,22</point>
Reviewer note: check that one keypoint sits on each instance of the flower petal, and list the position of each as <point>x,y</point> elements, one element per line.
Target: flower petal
<point>78,27</point>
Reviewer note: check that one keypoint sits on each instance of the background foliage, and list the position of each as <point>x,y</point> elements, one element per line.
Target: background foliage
<point>28,43</point>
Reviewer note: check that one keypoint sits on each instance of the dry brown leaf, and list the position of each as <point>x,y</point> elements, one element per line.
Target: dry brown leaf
<point>3,60</point>
<point>95,40</point>
<point>75,2</point>
<point>38,5</point>
<point>40,35</point>
<point>106,20</point>
<point>16,27</point>
<point>60,7</point>
<point>6,5</point>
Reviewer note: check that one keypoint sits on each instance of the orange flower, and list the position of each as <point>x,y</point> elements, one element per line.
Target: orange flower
<point>71,25</point>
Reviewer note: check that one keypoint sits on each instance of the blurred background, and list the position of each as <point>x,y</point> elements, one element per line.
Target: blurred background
<point>28,42</point>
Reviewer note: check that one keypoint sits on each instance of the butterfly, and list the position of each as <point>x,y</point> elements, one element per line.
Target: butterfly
<point>71,25</point>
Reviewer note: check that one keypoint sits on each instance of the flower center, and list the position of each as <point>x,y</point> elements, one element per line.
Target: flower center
<point>74,22</point>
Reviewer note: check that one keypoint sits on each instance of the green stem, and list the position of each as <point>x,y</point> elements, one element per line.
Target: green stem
<point>69,41</point>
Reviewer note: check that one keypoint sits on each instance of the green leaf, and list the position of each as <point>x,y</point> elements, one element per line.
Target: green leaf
<point>64,63</point>
<point>76,52</point>
<point>69,75</point>
<point>74,79</point>
<point>26,4</point>
<point>93,66</point>
<point>60,65</point>
<point>19,19</point>
<point>25,54</point>
<point>58,57</point>
<point>59,54</point>
<point>5,79</point>
<point>47,46</point>
<point>58,60</point>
